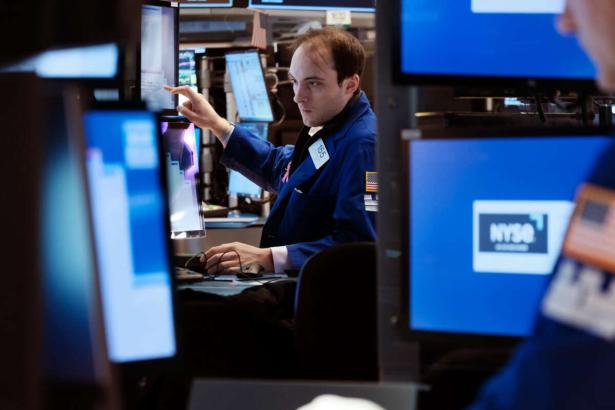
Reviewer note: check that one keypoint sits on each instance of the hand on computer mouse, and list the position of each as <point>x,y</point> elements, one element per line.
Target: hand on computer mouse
<point>232,256</point>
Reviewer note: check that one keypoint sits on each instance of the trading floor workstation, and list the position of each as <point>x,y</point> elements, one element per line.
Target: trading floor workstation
<point>115,199</point>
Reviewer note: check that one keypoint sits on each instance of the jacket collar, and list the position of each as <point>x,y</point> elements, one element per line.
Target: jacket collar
<point>339,125</point>
<point>307,168</point>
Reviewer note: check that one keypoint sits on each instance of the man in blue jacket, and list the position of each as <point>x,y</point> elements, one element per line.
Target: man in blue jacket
<point>569,362</point>
<point>326,182</point>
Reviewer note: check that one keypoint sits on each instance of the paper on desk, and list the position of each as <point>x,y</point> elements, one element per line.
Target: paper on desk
<point>333,402</point>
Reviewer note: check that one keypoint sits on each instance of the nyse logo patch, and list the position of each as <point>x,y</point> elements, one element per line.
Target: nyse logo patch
<point>519,233</point>
<point>518,236</point>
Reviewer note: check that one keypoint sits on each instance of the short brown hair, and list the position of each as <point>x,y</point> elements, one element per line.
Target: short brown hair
<point>347,51</point>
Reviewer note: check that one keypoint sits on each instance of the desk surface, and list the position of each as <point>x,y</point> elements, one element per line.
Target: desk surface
<point>219,288</point>
<point>228,287</point>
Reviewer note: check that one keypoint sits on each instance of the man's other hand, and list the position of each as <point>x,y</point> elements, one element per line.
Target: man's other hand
<point>231,256</point>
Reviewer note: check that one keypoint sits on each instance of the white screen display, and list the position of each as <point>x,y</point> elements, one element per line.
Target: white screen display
<point>249,88</point>
<point>238,184</point>
<point>130,230</point>
<point>181,155</point>
<point>158,56</point>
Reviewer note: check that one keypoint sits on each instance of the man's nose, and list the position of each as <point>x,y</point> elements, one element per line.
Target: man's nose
<point>300,94</point>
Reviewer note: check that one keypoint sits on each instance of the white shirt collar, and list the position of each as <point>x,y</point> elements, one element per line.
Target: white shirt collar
<point>314,130</point>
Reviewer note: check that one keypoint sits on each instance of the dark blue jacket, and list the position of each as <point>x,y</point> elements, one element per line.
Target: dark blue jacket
<point>314,208</point>
<point>562,366</point>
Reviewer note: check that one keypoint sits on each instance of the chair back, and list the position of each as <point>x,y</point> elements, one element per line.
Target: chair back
<point>335,305</point>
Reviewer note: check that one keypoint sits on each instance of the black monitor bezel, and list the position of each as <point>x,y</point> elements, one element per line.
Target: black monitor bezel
<point>138,366</point>
<point>248,51</point>
<point>496,85</point>
<point>109,388</point>
<point>174,6</point>
<point>469,339</point>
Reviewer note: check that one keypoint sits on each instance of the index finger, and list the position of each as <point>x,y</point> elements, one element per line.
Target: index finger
<point>217,249</point>
<point>220,259</point>
<point>184,90</point>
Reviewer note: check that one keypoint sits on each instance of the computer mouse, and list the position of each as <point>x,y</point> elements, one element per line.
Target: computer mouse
<point>252,270</point>
<point>187,275</point>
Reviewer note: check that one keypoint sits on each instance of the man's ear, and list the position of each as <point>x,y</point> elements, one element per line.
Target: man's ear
<point>352,83</point>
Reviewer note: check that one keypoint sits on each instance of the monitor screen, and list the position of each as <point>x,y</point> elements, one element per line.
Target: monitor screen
<point>355,5</point>
<point>187,71</point>
<point>249,87</point>
<point>206,3</point>
<point>487,218</point>
<point>182,160</point>
<point>89,62</point>
<point>158,56</point>
<point>130,229</point>
<point>488,38</point>
<point>238,184</point>
<point>187,68</point>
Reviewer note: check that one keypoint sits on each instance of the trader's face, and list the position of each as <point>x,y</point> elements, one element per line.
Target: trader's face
<point>592,21</point>
<point>317,92</point>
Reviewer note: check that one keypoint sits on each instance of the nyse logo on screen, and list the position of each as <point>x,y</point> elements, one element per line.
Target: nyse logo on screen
<point>519,233</point>
<point>519,237</point>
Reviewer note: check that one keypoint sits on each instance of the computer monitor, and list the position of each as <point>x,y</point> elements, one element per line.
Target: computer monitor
<point>159,49</point>
<point>76,361</point>
<point>129,213</point>
<point>181,157</point>
<point>249,89</point>
<point>485,222</point>
<point>88,62</point>
<point>205,3</point>
<point>238,184</point>
<point>58,23</point>
<point>187,68</point>
<point>507,43</point>
<point>187,71</point>
<point>354,5</point>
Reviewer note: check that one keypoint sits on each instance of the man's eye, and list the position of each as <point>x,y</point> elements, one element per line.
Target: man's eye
<point>314,84</point>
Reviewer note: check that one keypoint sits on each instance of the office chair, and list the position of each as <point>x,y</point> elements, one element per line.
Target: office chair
<point>335,314</point>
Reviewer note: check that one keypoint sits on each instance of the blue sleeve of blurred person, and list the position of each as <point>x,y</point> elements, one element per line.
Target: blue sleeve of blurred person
<point>560,366</point>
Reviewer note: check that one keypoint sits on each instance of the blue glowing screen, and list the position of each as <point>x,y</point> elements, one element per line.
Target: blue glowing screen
<point>238,184</point>
<point>489,38</point>
<point>486,223</point>
<point>130,230</point>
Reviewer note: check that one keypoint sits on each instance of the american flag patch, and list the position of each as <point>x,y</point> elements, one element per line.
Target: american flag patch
<point>371,182</point>
<point>591,233</point>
